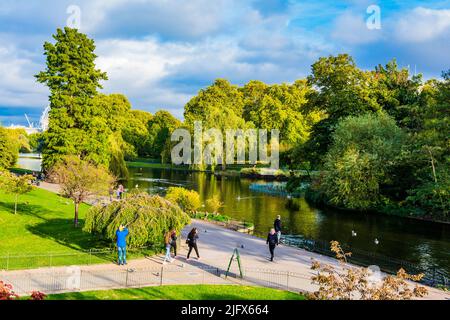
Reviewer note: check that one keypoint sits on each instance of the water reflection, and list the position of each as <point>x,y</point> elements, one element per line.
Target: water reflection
<point>416,241</point>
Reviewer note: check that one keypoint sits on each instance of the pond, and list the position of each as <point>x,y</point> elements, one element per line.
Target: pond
<point>30,161</point>
<point>421,242</point>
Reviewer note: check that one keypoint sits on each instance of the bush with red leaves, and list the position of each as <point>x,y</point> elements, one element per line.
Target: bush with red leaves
<point>7,292</point>
<point>37,295</point>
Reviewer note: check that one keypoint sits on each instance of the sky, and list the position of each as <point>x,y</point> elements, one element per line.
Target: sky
<point>160,53</point>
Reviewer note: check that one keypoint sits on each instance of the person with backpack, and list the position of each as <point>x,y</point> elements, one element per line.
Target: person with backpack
<point>272,241</point>
<point>277,227</point>
<point>192,242</point>
<point>173,242</point>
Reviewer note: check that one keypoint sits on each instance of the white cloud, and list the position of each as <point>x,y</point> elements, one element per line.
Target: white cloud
<point>17,83</point>
<point>351,29</point>
<point>421,25</point>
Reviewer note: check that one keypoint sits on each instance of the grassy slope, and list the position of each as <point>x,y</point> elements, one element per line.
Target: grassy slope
<point>183,292</point>
<point>42,225</point>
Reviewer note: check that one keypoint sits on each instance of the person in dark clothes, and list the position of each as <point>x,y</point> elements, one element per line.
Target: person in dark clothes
<point>277,227</point>
<point>173,243</point>
<point>192,242</point>
<point>272,241</point>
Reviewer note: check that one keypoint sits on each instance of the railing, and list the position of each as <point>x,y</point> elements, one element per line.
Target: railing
<point>74,279</point>
<point>432,275</point>
<point>81,257</point>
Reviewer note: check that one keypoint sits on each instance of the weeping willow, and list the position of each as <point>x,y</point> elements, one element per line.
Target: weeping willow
<point>117,163</point>
<point>148,218</point>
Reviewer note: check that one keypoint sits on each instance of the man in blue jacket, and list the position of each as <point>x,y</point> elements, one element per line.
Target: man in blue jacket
<point>121,235</point>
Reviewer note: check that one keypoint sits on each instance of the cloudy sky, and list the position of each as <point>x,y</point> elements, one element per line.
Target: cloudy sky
<point>161,52</point>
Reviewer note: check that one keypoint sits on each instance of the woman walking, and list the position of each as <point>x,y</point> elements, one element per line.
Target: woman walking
<point>167,242</point>
<point>173,243</point>
<point>192,242</point>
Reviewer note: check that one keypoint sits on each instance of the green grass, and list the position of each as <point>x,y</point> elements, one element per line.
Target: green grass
<point>183,292</point>
<point>43,226</point>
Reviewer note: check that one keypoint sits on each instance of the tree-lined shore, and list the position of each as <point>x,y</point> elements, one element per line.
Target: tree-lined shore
<point>379,138</point>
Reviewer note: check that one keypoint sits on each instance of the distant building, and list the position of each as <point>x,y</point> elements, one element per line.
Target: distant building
<point>43,123</point>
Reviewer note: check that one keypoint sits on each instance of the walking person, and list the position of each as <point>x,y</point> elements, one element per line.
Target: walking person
<point>173,243</point>
<point>277,227</point>
<point>272,241</point>
<point>167,243</point>
<point>121,235</point>
<point>192,242</point>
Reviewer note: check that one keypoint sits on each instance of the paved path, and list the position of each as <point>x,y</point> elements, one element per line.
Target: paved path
<point>216,245</point>
<point>290,270</point>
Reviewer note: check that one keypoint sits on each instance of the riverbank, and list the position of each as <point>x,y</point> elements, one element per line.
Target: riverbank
<point>318,200</point>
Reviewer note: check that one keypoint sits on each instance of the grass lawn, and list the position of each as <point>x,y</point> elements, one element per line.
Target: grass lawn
<point>183,292</point>
<point>43,225</point>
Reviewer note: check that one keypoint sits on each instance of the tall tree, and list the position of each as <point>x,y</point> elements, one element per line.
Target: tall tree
<point>75,125</point>
<point>398,93</point>
<point>160,128</point>
<point>342,90</point>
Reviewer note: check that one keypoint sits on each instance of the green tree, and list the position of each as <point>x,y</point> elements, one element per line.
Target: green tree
<point>342,90</point>
<point>76,124</point>
<point>36,142</point>
<point>430,155</point>
<point>147,217</point>
<point>398,93</point>
<point>280,107</point>
<point>220,96</point>
<point>160,128</point>
<point>16,185</point>
<point>136,132</point>
<point>364,151</point>
<point>80,179</point>
<point>9,149</point>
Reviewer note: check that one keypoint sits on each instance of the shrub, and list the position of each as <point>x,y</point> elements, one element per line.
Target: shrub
<point>188,200</point>
<point>37,295</point>
<point>6,292</point>
<point>147,217</point>
<point>348,283</point>
<point>214,204</point>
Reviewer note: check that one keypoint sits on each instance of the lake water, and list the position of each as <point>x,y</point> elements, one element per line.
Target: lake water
<point>424,243</point>
<point>420,242</point>
<point>30,161</point>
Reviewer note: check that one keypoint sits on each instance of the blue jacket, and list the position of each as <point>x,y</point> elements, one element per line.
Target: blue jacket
<point>121,237</point>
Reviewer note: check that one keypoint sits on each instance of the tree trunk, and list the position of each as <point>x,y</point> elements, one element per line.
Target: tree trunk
<point>15,204</point>
<point>75,220</point>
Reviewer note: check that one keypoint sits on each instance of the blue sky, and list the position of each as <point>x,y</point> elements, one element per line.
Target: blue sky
<point>161,52</point>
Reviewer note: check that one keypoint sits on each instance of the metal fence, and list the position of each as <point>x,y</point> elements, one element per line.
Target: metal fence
<point>74,279</point>
<point>433,276</point>
<point>81,257</point>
